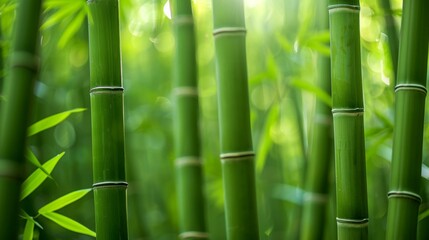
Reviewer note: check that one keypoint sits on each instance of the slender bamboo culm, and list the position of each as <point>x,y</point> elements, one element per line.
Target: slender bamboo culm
<point>347,101</point>
<point>107,121</point>
<point>410,94</point>
<point>15,112</point>
<point>237,154</point>
<point>186,126</point>
<point>320,152</point>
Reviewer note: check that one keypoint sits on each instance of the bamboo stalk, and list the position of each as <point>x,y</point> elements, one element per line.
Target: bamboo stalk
<point>187,141</point>
<point>410,95</point>
<point>237,154</point>
<point>320,154</point>
<point>107,122</point>
<point>15,112</point>
<point>347,100</point>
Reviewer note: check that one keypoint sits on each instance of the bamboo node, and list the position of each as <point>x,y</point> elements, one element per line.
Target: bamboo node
<point>193,234</point>
<point>405,194</point>
<point>348,111</point>
<point>106,89</point>
<point>25,60</point>
<point>344,8</point>
<point>353,223</point>
<point>410,87</point>
<point>188,160</point>
<point>183,20</point>
<point>185,91</point>
<point>229,31</point>
<point>11,169</point>
<point>237,156</point>
<point>110,184</point>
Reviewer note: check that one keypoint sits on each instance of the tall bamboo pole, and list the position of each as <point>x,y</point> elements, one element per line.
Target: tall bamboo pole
<point>320,151</point>
<point>392,35</point>
<point>347,101</point>
<point>237,154</point>
<point>15,112</point>
<point>410,95</point>
<point>107,121</point>
<point>187,142</point>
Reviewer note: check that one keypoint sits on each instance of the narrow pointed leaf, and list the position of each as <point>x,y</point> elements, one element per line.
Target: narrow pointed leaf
<point>68,223</point>
<point>51,121</point>
<point>313,89</point>
<point>64,201</point>
<point>28,230</point>
<point>38,176</point>
<point>29,155</point>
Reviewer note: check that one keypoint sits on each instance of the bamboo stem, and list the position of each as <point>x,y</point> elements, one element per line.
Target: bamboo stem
<point>15,112</point>
<point>107,121</point>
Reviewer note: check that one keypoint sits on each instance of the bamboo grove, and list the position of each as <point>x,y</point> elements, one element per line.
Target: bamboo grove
<point>214,119</point>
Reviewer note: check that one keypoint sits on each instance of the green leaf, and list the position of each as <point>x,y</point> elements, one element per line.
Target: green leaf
<point>68,223</point>
<point>319,93</point>
<point>59,15</point>
<point>28,230</point>
<point>38,176</point>
<point>25,215</point>
<point>64,201</point>
<point>265,143</point>
<point>72,28</point>
<point>29,155</point>
<point>423,214</point>
<point>51,121</point>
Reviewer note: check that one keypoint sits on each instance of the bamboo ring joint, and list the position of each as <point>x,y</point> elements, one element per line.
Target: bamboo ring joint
<point>25,60</point>
<point>183,20</point>
<point>236,156</point>
<point>348,111</point>
<point>11,169</point>
<point>106,89</point>
<point>410,87</point>
<point>405,194</point>
<point>229,31</point>
<point>111,184</point>
<point>193,234</point>
<point>343,8</point>
<point>188,161</point>
<point>354,223</point>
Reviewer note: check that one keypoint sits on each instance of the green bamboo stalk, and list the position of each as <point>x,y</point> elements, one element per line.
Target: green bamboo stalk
<point>410,94</point>
<point>187,142</point>
<point>347,109</point>
<point>320,152</point>
<point>107,121</point>
<point>392,34</point>
<point>234,120</point>
<point>15,113</point>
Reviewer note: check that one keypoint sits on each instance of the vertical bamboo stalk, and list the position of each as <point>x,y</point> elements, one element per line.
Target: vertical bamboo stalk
<point>15,112</point>
<point>234,120</point>
<point>410,95</point>
<point>348,108</point>
<point>320,155</point>
<point>187,142</point>
<point>392,34</point>
<point>107,121</point>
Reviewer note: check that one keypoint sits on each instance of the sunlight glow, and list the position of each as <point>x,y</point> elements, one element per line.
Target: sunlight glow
<point>167,10</point>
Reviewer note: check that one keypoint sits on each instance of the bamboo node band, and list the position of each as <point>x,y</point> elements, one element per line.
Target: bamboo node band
<point>353,223</point>
<point>315,197</point>
<point>405,194</point>
<point>183,20</point>
<point>410,87</point>
<point>344,8</point>
<point>25,60</point>
<point>348,111</point>
<point>193,234</point>
<point>106,89</point>
<point>229,31</point>
<point>110,184</point>
<point>237,156</point>
<point>185,91</point>
<point>11,169</point>
<point>188,161</point>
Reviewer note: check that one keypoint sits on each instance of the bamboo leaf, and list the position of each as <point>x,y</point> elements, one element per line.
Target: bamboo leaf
<point>72,28</point>
<point>311,88</point>
<point>25,215</point>
<point>286,45</point>
<point>28,230</point>
<point>68,223</point>
<point>29,155</point>
<point>64,201</point>
<point>59,15</point>
<point>423,214</point>
<point>38,176</point>
<point>266,142</point>
<point>51,121</point>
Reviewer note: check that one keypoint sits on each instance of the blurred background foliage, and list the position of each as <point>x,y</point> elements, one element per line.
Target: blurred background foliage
<point>282,46</point>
